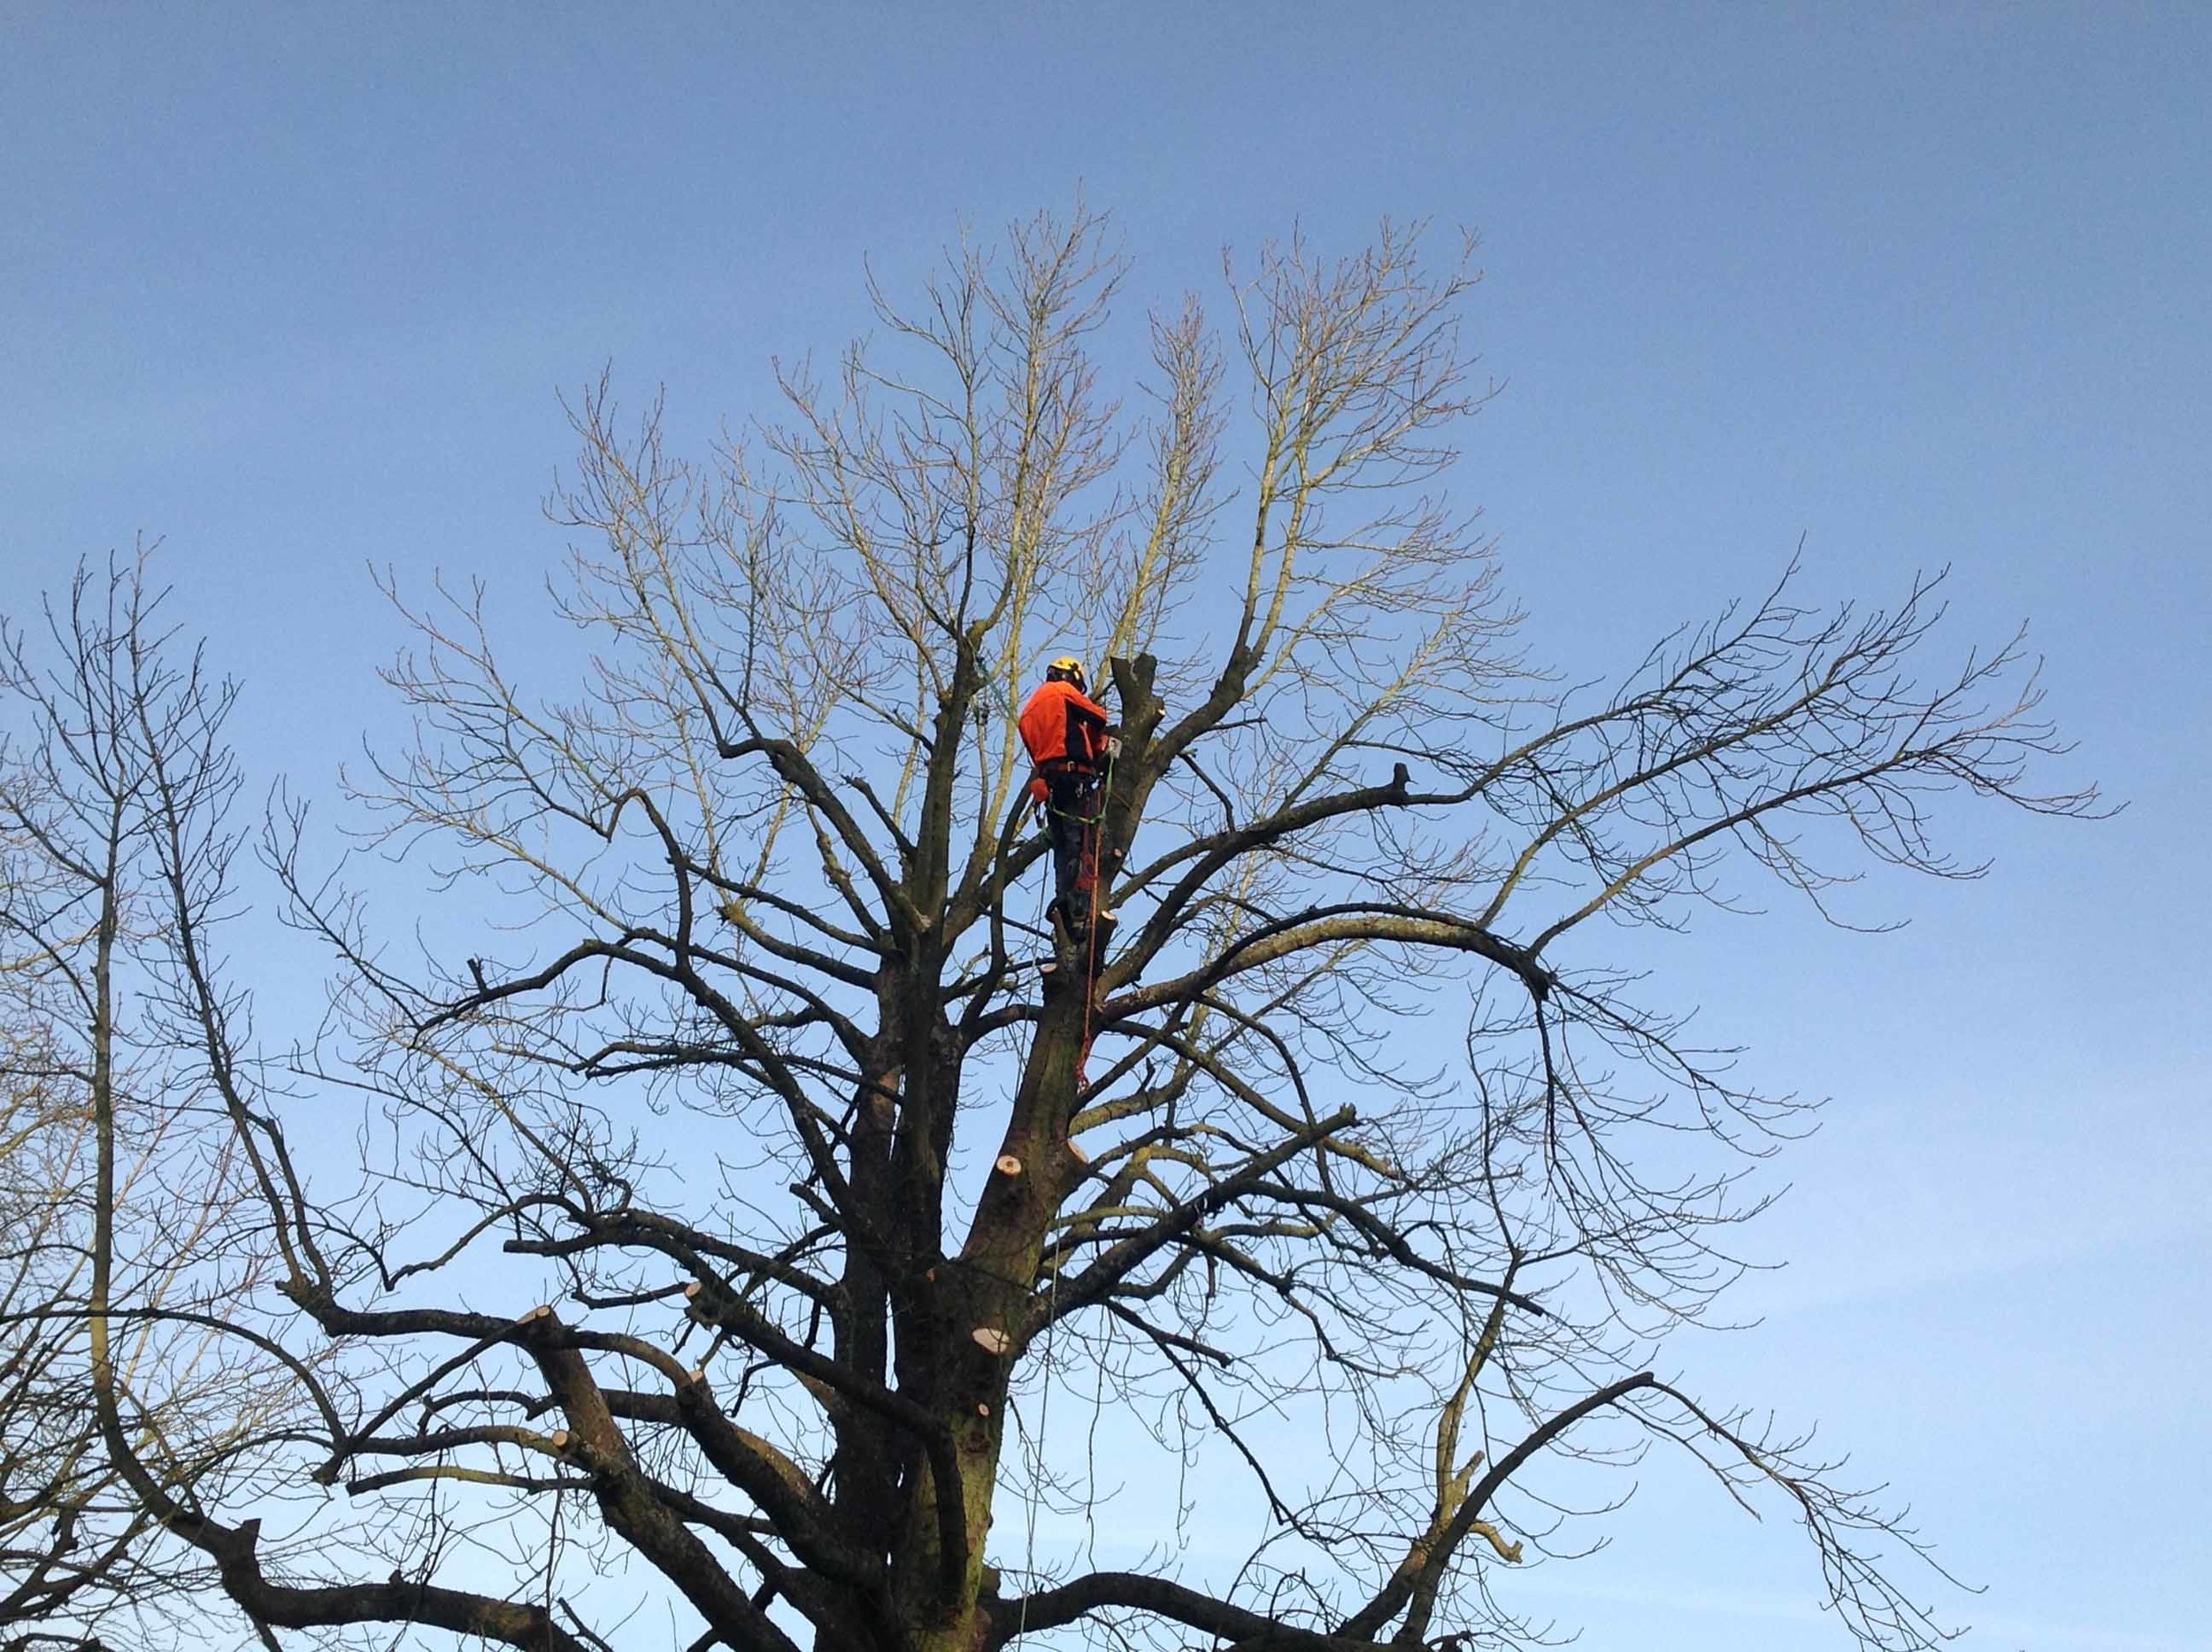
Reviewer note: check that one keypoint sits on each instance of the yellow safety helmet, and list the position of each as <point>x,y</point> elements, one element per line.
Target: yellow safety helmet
<point>1067,668</point>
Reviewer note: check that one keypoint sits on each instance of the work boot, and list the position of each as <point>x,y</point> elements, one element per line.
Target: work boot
<point>1072,913</point>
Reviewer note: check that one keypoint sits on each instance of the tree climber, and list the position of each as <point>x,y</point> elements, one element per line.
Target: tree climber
<point>1067,734</point>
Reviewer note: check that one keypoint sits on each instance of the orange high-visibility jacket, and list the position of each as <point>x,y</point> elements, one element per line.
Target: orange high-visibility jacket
<point>1062,724</point>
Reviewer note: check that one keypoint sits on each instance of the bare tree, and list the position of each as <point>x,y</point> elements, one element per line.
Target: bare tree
<point>66,1538</point>
<point>116,1208</point>
<point>772,1201</point>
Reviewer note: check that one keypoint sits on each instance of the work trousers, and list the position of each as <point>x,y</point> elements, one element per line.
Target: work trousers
<point>1072,802</point>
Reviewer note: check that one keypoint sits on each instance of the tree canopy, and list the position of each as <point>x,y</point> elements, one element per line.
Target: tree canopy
<point>748,1219</point>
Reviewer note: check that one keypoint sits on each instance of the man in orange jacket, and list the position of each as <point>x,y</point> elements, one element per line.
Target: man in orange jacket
<point>1066,732</point>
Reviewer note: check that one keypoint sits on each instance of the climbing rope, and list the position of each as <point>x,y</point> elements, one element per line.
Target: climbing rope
<point>1088,863</point>
<point>1037,1453</point>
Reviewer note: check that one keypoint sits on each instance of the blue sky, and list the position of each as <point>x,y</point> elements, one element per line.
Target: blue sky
<point>295,287</point>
